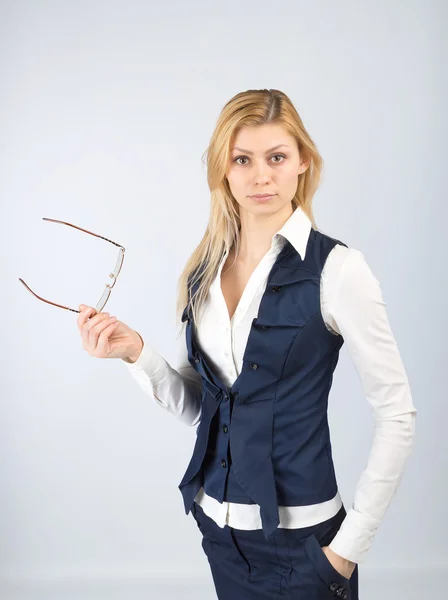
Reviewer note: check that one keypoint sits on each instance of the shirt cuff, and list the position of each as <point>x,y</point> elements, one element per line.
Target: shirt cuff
<point>355,536</point>
<point>151,362</point>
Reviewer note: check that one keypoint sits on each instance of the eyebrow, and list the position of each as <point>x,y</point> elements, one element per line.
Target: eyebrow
<point>270,149</point>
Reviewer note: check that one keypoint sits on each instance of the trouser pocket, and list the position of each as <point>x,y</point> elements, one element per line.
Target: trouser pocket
<point>335,583</point>
<point>216,543</point>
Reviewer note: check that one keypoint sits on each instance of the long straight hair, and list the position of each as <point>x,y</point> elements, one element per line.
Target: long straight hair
<point>250,108</point>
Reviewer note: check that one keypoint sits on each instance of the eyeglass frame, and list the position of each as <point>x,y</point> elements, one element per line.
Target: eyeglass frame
<point>111,275</point>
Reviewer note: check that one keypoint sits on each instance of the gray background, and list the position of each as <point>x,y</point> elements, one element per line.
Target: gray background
<point>106,109</point>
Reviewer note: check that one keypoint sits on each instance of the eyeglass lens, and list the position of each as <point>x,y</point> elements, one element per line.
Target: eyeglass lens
<point>105,297</point>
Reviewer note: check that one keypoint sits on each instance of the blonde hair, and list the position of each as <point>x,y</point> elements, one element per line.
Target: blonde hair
<point>250,108</point>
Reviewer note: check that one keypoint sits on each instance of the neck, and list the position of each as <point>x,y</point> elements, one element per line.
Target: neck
<point>256,233</point>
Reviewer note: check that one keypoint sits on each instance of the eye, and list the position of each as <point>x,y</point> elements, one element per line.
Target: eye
<point>274,155</point>
<point>238,158</point>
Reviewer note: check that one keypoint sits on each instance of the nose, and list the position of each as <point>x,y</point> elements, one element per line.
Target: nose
<point>262,173</point>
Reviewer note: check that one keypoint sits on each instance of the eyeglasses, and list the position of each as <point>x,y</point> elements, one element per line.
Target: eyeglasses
<point>105,297</point>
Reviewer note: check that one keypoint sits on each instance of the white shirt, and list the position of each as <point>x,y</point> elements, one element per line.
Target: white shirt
<point>352,306</point>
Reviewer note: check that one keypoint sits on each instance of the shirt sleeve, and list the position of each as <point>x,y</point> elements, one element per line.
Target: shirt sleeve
<point>176,390</point>
<point>354,308</point>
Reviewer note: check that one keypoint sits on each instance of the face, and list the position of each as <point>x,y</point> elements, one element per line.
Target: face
<point>256,167</point>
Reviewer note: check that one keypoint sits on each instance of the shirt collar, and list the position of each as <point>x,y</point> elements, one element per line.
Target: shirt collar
<point>296,230</point>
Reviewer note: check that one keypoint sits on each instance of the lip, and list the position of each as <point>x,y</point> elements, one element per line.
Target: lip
<point>261,196</point>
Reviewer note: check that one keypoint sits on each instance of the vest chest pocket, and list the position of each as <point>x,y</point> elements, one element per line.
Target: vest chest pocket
<point>280,319</point>
<point>267,349</point>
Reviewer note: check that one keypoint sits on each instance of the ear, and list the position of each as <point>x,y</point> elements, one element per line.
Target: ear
<point>304,166</point>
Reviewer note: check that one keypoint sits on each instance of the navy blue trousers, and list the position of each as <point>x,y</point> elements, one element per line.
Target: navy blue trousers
<point>291,565</point>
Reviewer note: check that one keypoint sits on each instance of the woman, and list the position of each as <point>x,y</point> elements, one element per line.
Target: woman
<point>268,301</point>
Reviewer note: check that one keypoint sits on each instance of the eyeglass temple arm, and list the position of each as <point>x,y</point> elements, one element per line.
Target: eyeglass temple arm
<point>81,229</point>
<point>45,300</point>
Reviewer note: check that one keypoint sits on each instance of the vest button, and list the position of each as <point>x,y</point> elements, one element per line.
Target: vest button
<point>253,365</point>
<point>264,326</point>
<point>276,288</point>
<point>197,359</point>
<point>333,586</point>
<point>225,428</point>
<point>223,463</point>
<point>226,396</point>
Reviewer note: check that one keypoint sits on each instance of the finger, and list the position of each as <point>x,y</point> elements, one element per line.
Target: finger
<point>95,331</point>
<point>94,320</point>
<point>104,334</point>
<point>86,312</point>
<point>83,319</point>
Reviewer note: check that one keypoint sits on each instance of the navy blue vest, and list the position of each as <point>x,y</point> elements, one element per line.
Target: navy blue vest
<point>266,440</point>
